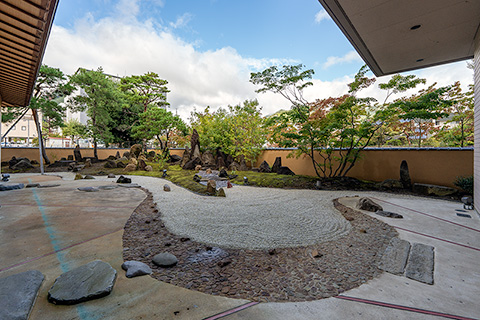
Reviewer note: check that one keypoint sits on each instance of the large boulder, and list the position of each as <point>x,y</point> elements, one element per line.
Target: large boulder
<point>186,157</point>
<point>277,164</point>
<point>286,171</point>
<point>135,150</point>
<point>141,164</point>
<point>208,159</point>
<point>110,164</point>
<point>190,165</point>
<point>243,164</point>
<point>174,158</point>
<point>130,167</point>
<point>405,175</point>
<point>90,281</point>
<point>23,164</point>
<point>196,152</point>
<point>77,154</point>
<point>12,162</point>
<point>194,142</point>
<point>264,167</point>
<point>433,190</point>
<point>233,166</point>
<point>368,204</point>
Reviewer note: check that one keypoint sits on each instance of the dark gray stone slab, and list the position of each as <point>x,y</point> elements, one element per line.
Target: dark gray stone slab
<point>421,263</point>
<point>7,187</point>
<point>18,293</point>
<point>90,281</point>
<point>136,268</point>
<point>395,256</point>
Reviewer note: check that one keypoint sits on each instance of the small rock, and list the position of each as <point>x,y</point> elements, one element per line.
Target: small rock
<point>221,193</point>
<point>136,268</point>
<point>223,264</point>
<point>166,188</point>
<point>88,163</point>
<point>165,260</point>
<point>198,167</point>
<point>89,177</point>
<point>211,187</point>
<point>197,178</point>
<point>389,214</point>
<point>123,179</point>
<point>130,167</point>
<point>78,176</point>
<point>111,175</point>
<point>316,254</point>
<point>184,239</point>
<point>223,174</point>
<point>148,168</point>
<point>272,252</point>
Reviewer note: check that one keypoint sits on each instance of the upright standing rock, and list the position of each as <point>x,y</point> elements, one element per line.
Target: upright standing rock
<point>277,164</point>
<point>194,142</point>
<point>186,157</point>
<point>405,175</point>
<point>77,154</point>
<point>135,150</point>
<point>243,164</point>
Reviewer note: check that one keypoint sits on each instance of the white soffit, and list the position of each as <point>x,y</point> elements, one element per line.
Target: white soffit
<point>400,35</point>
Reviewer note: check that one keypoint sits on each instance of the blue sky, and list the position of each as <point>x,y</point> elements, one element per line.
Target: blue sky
<point>207,48</point>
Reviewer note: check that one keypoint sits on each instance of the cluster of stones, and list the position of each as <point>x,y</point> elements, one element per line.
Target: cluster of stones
<point>133,160</point>
<point>21,163</point>
<point>400,257</point>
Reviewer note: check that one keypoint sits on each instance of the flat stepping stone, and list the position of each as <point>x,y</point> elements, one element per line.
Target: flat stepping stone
<point>32,185</point>
<point>421,263</point>
<point>18,293</point>
<point>136,268</point>
<point>395,256</point>
<point>129,185</point>
<point>389,214</point>
<point>90,281</point>
<point>109,187</point>
<point>165,260</point>
<point>88,189</point>
<point>7,187</point>
<point>48,185</point>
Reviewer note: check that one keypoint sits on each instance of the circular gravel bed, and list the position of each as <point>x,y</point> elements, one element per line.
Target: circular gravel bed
<point>301,273</point>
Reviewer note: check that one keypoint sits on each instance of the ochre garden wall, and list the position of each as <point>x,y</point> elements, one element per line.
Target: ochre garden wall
<point>435,166</point>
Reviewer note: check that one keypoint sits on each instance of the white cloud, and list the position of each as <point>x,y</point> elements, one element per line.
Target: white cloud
<point>196,79</point>
<point>182,21</point>
<point>351,56</point>
<point>321,15</point>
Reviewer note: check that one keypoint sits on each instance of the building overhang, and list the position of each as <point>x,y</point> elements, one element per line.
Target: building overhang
<point>24,29</point>
<point>395,36</point>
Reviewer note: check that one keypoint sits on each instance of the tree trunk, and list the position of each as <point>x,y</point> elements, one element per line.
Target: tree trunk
<point>95,154</point>
<point>40,137</point>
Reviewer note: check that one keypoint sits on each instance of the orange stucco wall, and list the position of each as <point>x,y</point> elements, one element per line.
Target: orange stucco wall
<point>439,167</point>
<point>436,166</point>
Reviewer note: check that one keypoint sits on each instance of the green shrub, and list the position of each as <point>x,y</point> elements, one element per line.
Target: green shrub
<point>465,183</point>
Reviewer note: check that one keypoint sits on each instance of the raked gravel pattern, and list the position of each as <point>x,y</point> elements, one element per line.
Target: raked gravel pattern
<point>249,217</point>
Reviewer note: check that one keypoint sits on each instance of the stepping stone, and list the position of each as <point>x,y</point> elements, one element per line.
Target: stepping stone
<point>90,281</point>
<point>130,185</point>
<point>89,177</point>
<point>88,189</point>
<point>109,187</point>
<point>165,260</point>
<point>7,187</point>
<point>420,263</point>
<point>111,175</point>
<point>18,293</point>
<point>136,268</point>
<point>32,185</point>
<point>48,185</point>
<point>395,256</point>
<point>464,215</point>
<point>389,214</point>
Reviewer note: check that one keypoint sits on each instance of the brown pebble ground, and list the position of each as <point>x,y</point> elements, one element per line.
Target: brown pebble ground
<point>289,274</point>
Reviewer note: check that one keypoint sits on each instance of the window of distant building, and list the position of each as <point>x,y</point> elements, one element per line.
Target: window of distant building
<point>24,128</point>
